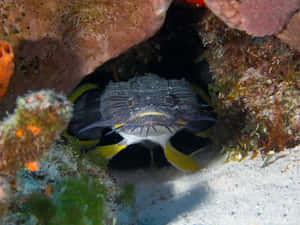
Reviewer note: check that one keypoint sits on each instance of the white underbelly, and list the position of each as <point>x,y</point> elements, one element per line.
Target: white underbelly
<point>130,139</point>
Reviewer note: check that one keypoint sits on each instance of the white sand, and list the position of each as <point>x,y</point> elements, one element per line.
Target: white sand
<point>223,194</point>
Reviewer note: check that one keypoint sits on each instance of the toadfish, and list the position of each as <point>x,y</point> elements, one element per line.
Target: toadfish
<point>150,109</point>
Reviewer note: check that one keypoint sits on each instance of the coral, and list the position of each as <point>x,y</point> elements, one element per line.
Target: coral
<point>256,88</point>
<point>65,180</point>
<point>7,66</point>
<point>58,42</point>
<point>27,134</point>
<point>274,105</point>
<point>256,17</point>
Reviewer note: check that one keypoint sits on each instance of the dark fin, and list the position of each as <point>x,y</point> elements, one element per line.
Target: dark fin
<point>188,142</point>
<point>86,110</point>
<point>101,124</point>
<point>200,126</point>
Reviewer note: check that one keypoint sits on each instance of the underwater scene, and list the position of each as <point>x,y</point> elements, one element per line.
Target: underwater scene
<point>149,112</point>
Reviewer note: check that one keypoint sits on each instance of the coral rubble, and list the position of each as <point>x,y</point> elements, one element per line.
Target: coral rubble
<point>58,42</point>
<point>27,134</point>
<point>7,66</point>
<point>257,88</point>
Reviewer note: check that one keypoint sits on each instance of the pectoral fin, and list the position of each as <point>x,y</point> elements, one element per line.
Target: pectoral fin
<point>180,160</point>
<point>109,151</point>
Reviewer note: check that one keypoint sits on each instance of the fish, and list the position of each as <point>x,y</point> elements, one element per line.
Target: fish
<point>149,109</point>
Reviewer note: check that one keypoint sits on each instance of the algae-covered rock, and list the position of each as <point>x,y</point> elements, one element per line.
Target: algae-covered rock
<point>27,134</point>
<point>256,88</point>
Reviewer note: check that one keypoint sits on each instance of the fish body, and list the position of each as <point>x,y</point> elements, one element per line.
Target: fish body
<point>150,109</point>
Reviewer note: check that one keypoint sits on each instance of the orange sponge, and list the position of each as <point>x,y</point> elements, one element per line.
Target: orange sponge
<point>6,66</point>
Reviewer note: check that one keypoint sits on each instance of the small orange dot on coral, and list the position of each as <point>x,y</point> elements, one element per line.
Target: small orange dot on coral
<point>35,130</point>
<point>40,97</point>
<point>19,133</point>
<point>32,166</point>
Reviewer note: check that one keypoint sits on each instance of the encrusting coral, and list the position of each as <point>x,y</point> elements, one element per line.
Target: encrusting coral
<point>7,66</point>
<point>257,88</point>
<point>28,134</point>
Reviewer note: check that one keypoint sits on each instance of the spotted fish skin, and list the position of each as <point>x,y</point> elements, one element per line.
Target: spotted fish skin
<point>150,108</point>
<point>149,104</point>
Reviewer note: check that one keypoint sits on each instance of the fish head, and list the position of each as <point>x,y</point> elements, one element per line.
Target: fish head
<point>149,106</point>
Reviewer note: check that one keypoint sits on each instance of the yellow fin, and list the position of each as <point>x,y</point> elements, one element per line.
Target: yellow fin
<point>80,90</point>
<point>109,151</point>
<point>180,160</point>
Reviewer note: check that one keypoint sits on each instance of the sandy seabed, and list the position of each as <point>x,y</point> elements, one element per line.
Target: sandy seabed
<point>221,194</point>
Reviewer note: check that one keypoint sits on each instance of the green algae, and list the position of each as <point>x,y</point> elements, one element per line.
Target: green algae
<point>75,201</point>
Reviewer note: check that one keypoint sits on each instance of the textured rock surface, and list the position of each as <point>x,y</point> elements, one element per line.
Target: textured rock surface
<point>57,42</point>
<point>256,17</point>
<point>291,33</point>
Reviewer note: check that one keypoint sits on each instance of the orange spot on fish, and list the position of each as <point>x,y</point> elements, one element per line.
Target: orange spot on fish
<point>7,66</point>
<point>35,130</point>
<point>33,166</point>
<point>19,133</point>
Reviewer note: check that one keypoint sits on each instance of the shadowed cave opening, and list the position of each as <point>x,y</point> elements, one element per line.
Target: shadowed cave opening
<point>175,52</point>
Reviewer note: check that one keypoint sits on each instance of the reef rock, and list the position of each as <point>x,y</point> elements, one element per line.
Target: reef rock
<point>256,17</point>
<point>58,42</point>
<point>28,134</point>
<point>290,34</point>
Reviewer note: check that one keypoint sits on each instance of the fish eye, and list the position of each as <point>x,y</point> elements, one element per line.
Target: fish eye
<point>131,102</point>
<point>170,100</point>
